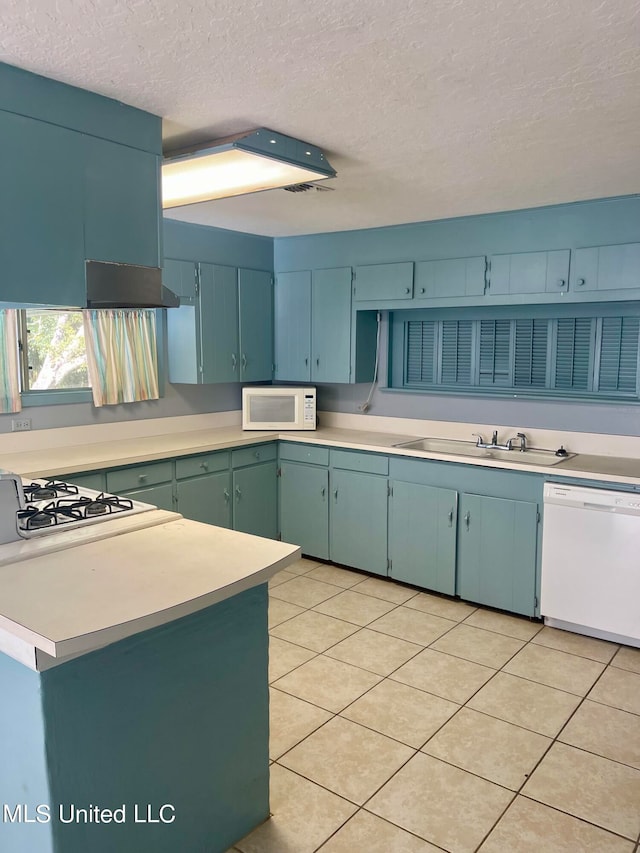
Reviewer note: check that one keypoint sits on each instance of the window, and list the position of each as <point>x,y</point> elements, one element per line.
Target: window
<point>589,352</point>
<point>52,350</point>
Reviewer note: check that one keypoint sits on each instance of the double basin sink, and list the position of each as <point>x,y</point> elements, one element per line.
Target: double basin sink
<point>453,447</point>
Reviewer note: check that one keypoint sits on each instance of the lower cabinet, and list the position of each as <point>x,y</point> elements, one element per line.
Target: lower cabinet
<point>160,496</point>
<point>422,536</point>
<point>358,531</point>
<point>206,498</point>
<point>304,507</point>
<point>255,500</point>
<point>497,552</point>
<point>151,483</point>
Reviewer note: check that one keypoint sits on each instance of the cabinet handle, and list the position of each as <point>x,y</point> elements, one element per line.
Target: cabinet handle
<point>306,361</point>
<point>317,362</point>
<point>204,466</point>
<point>257,454</point>
<point>234,361</point>
<point>335,495</point>
<point>581,282</point>
<point>244,361</point>
<point>560,282</point>
<point>238,493</point>
<point>467,519</point>
<point>142,478</point>
<point>422,290</point>
<point>450,518</point>
<point>323,491</point>
<point>407,290</point>
<point>226,495</point>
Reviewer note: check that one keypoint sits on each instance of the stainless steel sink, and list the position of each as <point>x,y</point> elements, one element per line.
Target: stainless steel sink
<point>452,447</point>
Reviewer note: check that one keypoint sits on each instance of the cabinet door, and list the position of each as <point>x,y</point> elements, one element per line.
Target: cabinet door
<point>606,268</point>
<point>383,281</point>
<point>449,278</point>
<point>529,272</point>
<point>422,536</point>
<point>497,552</point>
<point>331,325</point>
<point>304,508</point>
<point>180,277</point>
<point>206,498</point>
<point>41,223</point>
<point>91,480</point>
<point>218,314</point>
<point>358,530</point>
<point>122,214</point>
<point>293,326</point>
<point>255,500</point>
<point>160,496</point>
<point>183,345</point>
<point>255,289</point>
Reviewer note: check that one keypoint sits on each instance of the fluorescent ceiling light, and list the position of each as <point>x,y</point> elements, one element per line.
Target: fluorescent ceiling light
<point>247,163</point>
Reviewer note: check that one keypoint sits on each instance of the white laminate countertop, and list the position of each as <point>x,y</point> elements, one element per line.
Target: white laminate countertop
<point>72,601</point>
<point>56,461</point>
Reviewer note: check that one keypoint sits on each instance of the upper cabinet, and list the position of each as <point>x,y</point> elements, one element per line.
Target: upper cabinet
<point>606,268</point>
<point>314,329</point>
<point>450,277</point>
<point>380,282</point>
<point>225,332</point>
<point>528,272</point>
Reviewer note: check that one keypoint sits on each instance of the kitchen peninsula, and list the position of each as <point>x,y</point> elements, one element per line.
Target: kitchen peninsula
<point>134,687</point>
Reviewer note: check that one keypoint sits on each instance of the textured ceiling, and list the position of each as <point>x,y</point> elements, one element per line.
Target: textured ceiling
<point>426,108</point>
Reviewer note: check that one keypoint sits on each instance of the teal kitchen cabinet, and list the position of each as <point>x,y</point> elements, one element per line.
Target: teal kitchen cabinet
<point>151,483</point>
<point>224,333</point>
<point>381,282</point>
<point>41,213</point>
<point>255,325</point>
<point>255,490</point>
<point>313,325</point>
<point>203,488</point>
<point>497,542</point>
<point>331,325</point>
<point>451,277</point>
<point>181,278</point>
<point>304,498</point>
<point>121,203</point>
<point>358,510</point>
<point>292,350</point>
<point>87,480</point>
<point>422,536</point>
<point>528,272</point>
<point>606,268</point>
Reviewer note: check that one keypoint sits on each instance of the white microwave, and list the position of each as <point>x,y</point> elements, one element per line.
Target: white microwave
<point>278,407</point>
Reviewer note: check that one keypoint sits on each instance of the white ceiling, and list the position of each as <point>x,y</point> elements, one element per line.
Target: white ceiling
<point>427,108</point>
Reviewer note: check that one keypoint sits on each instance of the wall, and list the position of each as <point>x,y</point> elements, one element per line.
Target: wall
<point>568,226</point>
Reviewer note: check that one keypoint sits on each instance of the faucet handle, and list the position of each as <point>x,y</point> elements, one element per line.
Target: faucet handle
<point>480,440</point>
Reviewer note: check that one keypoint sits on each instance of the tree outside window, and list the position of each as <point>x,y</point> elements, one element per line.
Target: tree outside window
<point>53,353</point>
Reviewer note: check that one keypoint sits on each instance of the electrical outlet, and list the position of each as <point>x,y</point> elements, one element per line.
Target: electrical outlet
<point>20,424</point>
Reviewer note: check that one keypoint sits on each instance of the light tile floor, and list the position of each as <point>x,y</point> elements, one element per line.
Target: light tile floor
<point>403,722</point>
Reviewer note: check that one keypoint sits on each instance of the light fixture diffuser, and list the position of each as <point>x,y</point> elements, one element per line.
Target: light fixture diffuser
<point>247,163</point>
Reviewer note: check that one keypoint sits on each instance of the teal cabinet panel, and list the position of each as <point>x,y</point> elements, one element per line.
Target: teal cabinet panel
<point>139,476</point>
<point>89,480</point>
<point>606,268</point>
<point>450,277</point>
<point>331,325</point>
<point>313,455</point>
<point>218,324</point>
<point>497,542</point>
<point>304,508</point>
<point>353,460</point>
<point>255,289</point>
<point>41,213</point>
<point>160,496</point>
<point>203,463</point>
<point>180,277</point>
<point>293,326</point>
<point>529,272</point>
<point>206,498</point>
<point>422,536</point>
<point>253,454</point>
<point>121,203</point>
<point>358,521</point>
<point>383,281</point>
<point>183,345</point>
<point>255,500</point>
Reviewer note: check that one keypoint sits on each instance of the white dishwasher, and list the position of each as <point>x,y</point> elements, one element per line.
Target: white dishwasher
<point>591,562</point>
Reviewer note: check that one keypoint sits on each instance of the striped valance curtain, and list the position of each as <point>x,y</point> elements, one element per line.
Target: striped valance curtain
<point>9,368</point>
<point>121,355</point>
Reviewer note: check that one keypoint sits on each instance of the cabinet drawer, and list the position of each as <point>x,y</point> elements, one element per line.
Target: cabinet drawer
<point>139,476</point>
<point>251,455</point>
<point>304,453</point>
<point>205,463</point>
<point>369,463</point>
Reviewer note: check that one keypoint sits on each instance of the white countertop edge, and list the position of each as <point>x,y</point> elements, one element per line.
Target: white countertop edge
<point>22,644</point>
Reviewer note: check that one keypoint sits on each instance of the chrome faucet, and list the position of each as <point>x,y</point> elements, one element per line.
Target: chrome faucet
<point>523,442</point>
<point>494,442</point>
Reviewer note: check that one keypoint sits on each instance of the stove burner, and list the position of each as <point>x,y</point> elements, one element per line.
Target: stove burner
<point>41,493</point>
<point>100,505</point>
<point>95,508</point>
<point>33,517</point>
<point>39,519</point>
<point>48,489</point>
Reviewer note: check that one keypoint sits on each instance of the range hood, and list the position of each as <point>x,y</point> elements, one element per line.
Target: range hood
<point>127,286</point>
